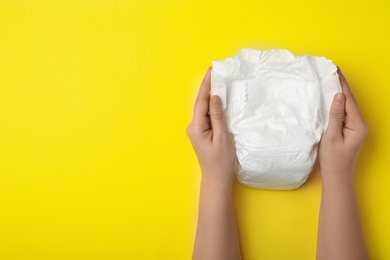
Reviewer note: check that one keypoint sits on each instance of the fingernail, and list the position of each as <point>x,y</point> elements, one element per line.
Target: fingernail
<point>339,99</point>
<point>209,69</point>
<point>216,102</point>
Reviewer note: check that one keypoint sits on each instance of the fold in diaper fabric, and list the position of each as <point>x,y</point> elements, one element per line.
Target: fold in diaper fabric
<point>276,107</point>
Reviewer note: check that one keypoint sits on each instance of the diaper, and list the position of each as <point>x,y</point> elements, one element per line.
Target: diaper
<point>276,107</point>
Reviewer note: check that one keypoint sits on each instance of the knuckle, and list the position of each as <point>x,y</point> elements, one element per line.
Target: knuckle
<point>189,130</point>
<point>217,115</point>
<point>364,127</point>
<point>338,115</point>
<point>193,133</point>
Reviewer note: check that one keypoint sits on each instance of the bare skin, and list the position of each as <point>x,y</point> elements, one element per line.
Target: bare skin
<point>339,231</point>
<point>216,235</point>
<point>340,234</point>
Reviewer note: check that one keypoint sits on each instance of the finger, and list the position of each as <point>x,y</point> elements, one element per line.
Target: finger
<point>217,117</point>
<point>351,106</point>
<point>353,117</point>
<point>336,118</point>
<point>202,101</point>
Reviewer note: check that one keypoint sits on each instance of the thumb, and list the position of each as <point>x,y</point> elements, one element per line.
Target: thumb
<point>336,118</point>
<point>216,115</point>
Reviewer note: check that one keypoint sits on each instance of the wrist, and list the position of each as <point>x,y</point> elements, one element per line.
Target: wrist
<point>221,183</point>
<point>337,180</point>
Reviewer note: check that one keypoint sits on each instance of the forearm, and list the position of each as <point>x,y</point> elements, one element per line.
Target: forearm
<point>339,230</point>
<point>217,235</point>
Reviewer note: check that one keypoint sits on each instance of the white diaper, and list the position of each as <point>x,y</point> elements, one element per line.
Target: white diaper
<point>276,107</point>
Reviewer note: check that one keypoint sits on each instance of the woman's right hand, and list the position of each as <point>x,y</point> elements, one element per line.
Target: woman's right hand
<point>341,142</point>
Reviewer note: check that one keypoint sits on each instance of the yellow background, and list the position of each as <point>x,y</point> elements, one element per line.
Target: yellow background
<point>95,97</point>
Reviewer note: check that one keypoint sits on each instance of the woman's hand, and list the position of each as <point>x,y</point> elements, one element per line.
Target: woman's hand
<point>343,138</point>
<point>210,138</point>
<point>216,235</point>
<point>340,234</point>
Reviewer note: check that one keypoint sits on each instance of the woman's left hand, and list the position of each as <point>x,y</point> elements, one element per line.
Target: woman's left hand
<point>210,138</point>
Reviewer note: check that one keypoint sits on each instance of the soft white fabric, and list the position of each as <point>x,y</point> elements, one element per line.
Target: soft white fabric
<point>276,107</point>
